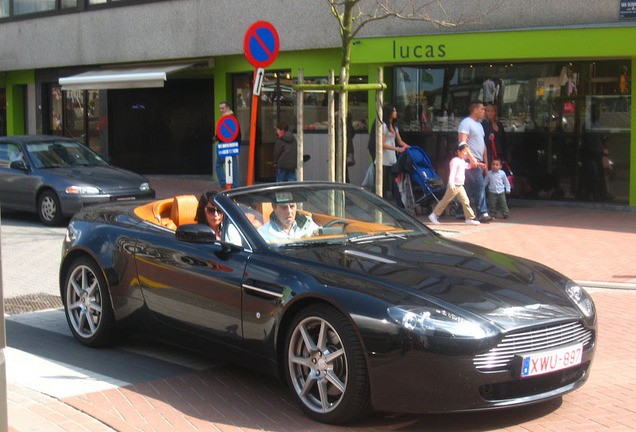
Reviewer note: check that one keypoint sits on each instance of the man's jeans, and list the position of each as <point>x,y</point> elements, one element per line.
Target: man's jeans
<point>475,185</point>
<point>286,175</point>
<point>220,171</point>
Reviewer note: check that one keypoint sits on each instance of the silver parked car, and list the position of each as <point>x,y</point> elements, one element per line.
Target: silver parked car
<point>57,176</point>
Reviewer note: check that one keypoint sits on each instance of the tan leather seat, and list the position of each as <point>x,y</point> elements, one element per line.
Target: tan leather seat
<point>161,209</point>
<point>265,209</point>
<point>184,209</point>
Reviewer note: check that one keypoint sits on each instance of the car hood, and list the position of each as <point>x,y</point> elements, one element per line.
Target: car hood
<point>108,178</point>
<point>500,288</point>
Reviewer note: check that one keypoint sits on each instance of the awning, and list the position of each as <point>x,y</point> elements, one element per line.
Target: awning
<point>140,77</point>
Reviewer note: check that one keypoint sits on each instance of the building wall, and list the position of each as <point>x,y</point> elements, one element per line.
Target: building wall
<point>204,28</point>
<point>309,39</point>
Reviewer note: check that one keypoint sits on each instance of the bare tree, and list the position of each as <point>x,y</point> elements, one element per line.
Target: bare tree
<point>353,15</point>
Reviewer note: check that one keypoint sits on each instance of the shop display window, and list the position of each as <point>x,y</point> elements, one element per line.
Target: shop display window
<point>568,123</point>
<point>315,102</point>
<point>79,114</point>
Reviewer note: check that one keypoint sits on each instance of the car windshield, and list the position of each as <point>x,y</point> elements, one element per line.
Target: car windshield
<point>62,154</point>
<point>297,216</point>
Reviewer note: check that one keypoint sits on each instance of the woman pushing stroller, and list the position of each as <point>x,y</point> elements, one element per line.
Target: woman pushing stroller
<point>458,166</point>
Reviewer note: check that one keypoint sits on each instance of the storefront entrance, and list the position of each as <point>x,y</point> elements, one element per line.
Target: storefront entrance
<point>165,130</point>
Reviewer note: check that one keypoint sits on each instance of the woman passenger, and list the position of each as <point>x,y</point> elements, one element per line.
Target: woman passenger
<point>209,214</point>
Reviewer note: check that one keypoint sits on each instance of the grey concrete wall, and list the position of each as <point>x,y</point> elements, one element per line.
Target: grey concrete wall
<point>177,29</point>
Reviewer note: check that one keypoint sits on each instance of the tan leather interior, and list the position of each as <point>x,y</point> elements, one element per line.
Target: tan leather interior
<point>265,209</point>
<point>170,212</point>
<point>184,209</point>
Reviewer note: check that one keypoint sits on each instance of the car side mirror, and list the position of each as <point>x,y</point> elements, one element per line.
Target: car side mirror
<point>18,165</point>
<point>195,233</point>
<point>203,234</point>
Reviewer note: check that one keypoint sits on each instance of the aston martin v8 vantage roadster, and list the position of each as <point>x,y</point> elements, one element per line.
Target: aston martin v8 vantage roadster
<point>355,304</point>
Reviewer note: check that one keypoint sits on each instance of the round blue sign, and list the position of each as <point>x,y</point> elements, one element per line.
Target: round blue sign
<point>261,44</point>
<point>227,128</point>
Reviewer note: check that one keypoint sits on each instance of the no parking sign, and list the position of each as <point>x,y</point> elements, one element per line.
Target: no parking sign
<point>261,44</point>
<point>227,128</point>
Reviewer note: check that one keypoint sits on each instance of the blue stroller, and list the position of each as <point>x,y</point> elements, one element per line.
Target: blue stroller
<point>427,187</point>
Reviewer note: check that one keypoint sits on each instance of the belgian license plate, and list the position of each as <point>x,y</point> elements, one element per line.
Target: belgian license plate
<point>550,361</point>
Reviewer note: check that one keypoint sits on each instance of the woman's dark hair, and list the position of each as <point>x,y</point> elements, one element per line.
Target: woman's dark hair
<point>206,197</point>
<point>282,126</point>
<point>387,113</point>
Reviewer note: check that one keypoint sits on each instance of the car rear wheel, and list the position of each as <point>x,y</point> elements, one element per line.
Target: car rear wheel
<point>49,208</point>
<point>325,366</point>
<point>87,304</point>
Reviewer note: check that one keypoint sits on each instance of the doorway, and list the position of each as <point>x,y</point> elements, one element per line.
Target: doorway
<point>165,130</point>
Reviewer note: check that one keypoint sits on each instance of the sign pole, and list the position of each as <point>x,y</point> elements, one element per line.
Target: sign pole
<point>260,46</point>
<point>252,150</point>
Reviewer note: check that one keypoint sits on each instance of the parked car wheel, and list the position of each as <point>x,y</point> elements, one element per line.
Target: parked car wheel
<point>325,366</point>
<point>49,208</point>
<point>87,304</point>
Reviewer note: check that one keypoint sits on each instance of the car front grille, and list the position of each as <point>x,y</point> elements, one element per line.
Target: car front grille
<point>538,339</point>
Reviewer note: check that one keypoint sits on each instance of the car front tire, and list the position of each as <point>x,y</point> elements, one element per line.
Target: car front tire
<point>325,366</point>
<point>87,305</point>
<point>49,209</point>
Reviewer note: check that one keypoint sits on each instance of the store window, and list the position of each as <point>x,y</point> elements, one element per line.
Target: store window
<point>278,102</point>
<point>114,2</point>
<point>79,114</point>
<point>567,124</point>
<point>9,8</point>
<point>21,7</point>
<point>315,102</point>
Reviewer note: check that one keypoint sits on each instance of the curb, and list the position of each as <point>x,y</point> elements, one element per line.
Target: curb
<point>628,286</point>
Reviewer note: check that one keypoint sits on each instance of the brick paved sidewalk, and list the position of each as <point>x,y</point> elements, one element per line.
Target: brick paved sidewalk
<point>583,244</point>
<point>230,399</point>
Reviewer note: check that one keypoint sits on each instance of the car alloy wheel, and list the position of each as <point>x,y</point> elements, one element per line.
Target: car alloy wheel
<point>87,305</point>
<point>326,369</point>
<point>49,208</point>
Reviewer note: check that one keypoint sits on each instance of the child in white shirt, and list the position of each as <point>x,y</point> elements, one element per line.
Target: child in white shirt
<point>455,187</point>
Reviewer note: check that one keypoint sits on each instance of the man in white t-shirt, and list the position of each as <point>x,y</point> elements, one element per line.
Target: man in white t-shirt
<point>286,223</point>
<point>471,131</point>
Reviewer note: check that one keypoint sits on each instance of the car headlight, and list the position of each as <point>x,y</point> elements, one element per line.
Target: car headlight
<point>82,190</point>
<point>435,321</point>
<point>581,298</point>
<point>144,187</point>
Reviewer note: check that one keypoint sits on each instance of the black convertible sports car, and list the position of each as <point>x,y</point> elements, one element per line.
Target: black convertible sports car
<point>356,304</point>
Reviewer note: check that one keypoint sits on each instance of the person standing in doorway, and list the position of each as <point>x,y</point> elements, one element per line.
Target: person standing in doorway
<point>225,109</point>
<point>490,90</point>
<point>285,153</point>
<point>472,132</point>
